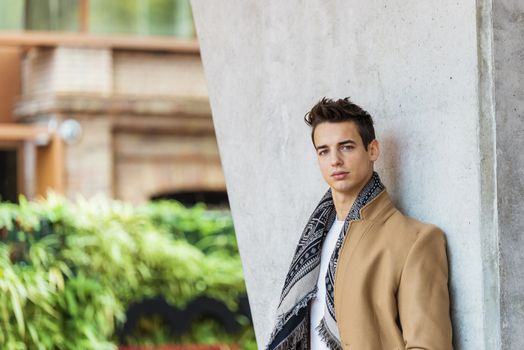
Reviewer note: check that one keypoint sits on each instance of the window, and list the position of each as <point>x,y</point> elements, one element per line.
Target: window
<point>133,17</point>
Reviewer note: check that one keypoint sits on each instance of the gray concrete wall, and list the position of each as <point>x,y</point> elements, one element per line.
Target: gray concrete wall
<point>508,23</point>
<point>422,69</point>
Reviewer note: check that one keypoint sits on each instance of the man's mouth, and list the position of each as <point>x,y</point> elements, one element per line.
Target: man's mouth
<point>339,175</point>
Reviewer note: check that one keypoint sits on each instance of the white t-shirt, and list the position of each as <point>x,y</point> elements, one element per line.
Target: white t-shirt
<point>319,302</point>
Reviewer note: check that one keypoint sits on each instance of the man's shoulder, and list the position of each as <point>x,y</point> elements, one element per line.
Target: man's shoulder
<point>410,228</point>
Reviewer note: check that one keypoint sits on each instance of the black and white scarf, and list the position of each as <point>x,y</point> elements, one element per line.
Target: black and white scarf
<point>300,287</point>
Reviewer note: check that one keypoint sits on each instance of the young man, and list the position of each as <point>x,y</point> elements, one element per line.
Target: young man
<point>364,276</point>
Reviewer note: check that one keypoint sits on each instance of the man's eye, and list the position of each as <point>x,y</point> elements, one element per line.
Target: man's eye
<point>347,148</point>
<point>321,153</point>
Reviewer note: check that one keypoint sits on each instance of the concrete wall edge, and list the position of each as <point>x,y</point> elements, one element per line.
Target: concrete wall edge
<point>489,234</point>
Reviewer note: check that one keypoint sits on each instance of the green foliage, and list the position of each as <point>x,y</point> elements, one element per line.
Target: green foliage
<point>68,271</point>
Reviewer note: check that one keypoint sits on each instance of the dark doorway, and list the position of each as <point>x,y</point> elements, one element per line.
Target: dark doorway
<point>8,176</point>
<point>213,199</point>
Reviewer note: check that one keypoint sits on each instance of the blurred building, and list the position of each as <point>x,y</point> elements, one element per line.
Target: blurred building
<point>124,113</point>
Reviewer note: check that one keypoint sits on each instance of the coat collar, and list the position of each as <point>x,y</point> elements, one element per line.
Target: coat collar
<point>378,209</point>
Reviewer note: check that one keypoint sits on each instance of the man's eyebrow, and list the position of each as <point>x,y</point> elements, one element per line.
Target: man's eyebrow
<point>347,141</point>
<point>339,143</point>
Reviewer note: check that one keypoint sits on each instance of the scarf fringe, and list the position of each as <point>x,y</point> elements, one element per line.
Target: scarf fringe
<point>327,337</point>
<point>283,318</point>
<point>298,335</point>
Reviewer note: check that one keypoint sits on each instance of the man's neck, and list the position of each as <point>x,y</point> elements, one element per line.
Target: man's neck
<point>343,204</point>
<point>344,201</point>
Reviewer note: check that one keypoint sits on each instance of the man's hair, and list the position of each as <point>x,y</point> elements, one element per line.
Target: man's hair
<point>341,110</point>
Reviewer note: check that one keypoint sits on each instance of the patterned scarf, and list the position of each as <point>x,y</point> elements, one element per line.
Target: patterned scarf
<point>300,287</point>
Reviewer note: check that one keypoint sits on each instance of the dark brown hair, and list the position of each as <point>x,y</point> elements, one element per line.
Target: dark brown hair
<point>341,110</point>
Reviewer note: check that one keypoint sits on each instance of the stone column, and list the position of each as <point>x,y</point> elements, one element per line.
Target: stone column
<point>445,99</point>
<point>508,53</point>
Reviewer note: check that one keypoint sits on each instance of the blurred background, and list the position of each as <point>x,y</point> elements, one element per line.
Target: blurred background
<point>115,228</point>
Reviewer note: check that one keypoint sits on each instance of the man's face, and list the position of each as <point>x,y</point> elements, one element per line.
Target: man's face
<point>344,162</point>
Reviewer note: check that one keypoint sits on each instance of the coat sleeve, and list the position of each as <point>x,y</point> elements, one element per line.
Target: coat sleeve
<point>423,295</point>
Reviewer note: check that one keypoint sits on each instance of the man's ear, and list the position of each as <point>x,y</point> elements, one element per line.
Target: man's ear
<point>374,150</point>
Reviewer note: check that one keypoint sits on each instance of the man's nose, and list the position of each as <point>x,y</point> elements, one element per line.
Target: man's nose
<point>335,159</point>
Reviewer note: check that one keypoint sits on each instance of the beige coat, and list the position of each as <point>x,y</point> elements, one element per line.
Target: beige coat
<point>391,282</point>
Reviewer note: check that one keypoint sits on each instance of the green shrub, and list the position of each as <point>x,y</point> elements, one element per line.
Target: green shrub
<point>68,271</point>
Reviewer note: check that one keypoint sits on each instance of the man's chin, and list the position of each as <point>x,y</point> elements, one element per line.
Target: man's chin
<point>342,188</point>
